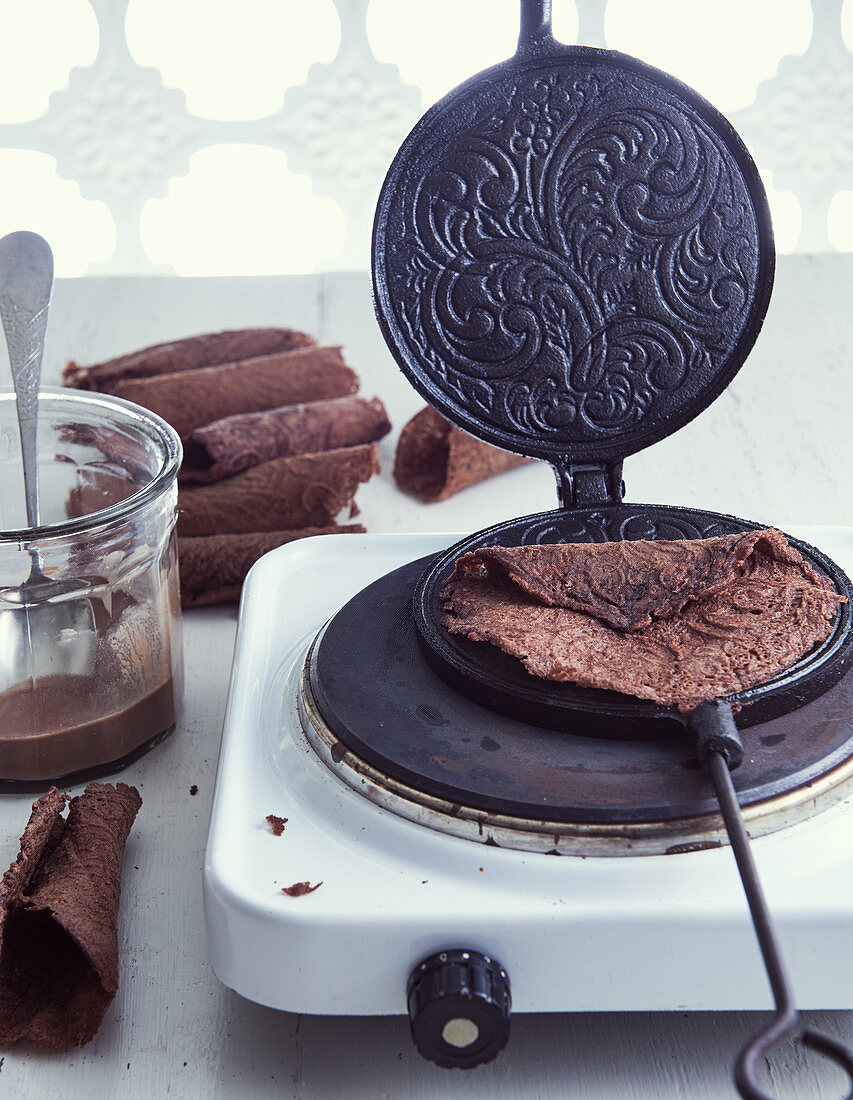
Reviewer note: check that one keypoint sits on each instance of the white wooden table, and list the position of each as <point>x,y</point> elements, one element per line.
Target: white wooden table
<point>776,447</point>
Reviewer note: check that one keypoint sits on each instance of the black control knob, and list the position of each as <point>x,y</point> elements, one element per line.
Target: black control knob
<point>459,1008</point>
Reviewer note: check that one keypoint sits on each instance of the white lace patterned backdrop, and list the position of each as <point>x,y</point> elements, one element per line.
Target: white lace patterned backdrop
<point>251,136</point>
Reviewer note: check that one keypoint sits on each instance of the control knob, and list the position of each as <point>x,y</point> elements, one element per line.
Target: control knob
<point>459,1008</point>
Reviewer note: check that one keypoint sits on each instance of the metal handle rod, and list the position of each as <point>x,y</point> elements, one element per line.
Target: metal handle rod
<point>535,25</point>
<point>785,1020</point>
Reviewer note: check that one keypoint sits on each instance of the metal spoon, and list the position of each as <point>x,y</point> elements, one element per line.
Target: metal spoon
<point>48,634</point>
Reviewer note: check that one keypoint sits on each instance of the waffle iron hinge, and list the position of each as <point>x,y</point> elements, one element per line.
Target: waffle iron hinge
<point>586,484</point>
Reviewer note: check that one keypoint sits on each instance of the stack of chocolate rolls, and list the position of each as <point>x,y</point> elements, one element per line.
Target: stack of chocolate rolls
<point>276,442</point>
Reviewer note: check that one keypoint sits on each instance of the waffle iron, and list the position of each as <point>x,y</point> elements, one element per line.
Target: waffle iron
<point>572,257</point>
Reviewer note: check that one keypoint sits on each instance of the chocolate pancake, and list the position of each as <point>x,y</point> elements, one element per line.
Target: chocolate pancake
<point>675,622</point>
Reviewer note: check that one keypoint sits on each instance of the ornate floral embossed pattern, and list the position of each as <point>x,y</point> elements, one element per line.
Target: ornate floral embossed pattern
<point>582,270</point>
<point>628,523</point>
<point>613,524</point>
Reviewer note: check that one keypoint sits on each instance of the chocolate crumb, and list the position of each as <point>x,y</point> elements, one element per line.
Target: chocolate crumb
<point>193,789</point>
<point>276,824</point>
<point>298,889</point>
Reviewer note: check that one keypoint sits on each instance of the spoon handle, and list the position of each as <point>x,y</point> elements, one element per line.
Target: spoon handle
<point>26,279</point>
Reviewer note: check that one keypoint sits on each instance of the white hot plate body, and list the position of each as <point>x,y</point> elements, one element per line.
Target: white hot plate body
<point>574,933</point>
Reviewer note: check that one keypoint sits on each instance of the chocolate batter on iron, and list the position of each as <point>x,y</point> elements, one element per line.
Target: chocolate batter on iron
<point>676,622</point>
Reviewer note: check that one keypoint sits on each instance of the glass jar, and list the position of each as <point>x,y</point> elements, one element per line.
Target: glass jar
<point>91,671</point>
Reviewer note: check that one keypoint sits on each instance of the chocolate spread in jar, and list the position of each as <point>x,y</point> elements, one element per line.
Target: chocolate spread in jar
<point>63,748</point>
<point>61,725</point>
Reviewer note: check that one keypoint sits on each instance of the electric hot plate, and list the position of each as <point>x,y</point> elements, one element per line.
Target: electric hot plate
<point>599,933</point>
<point>376,694</point>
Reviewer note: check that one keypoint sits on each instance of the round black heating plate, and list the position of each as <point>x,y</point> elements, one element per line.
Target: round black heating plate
<point>382,700</point>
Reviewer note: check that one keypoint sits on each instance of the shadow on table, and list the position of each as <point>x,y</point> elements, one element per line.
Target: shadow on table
<point>583,1056</point>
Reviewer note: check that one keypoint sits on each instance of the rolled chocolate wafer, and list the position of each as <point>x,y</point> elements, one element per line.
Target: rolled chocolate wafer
<point>285,494</point>
<point>189,399</point>
<point>59,918</point>
<point>236,443</point>
<point>213,567</point>
<point>435,459</point>
<point>190,353</point>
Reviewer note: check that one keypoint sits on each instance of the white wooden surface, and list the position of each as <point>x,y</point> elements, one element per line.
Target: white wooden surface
<point>775,447</point>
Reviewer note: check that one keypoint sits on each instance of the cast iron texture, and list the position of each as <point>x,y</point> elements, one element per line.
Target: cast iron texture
<point>501,683</point>
<point>572,254</point>
<point>415,727</point>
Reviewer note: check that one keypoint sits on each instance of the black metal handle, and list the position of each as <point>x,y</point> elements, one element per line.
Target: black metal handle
<point>535,32</point>
<point>714,726</point>
<point>588,484</point>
